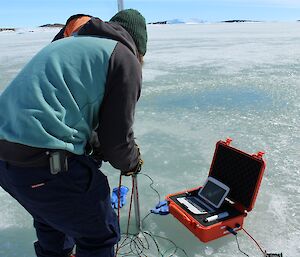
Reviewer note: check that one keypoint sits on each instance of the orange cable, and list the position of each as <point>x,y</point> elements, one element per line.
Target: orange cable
<point>254,241</point>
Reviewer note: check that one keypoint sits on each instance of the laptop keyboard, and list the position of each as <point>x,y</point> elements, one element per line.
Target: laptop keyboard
<point>198,204</point>
<point>194,205</point>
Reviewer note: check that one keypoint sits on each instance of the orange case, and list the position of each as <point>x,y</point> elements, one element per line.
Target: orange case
<point>240,171</point>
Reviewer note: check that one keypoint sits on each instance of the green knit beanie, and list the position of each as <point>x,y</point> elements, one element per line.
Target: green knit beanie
<point>135,24</point>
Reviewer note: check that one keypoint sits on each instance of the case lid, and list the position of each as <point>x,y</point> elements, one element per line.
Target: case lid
<point>240,171</point>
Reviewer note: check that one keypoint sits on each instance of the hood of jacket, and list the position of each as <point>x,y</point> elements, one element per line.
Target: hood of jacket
<point>109,30</point>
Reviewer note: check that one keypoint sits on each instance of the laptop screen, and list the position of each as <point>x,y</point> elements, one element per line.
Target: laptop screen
<point>214,192</point>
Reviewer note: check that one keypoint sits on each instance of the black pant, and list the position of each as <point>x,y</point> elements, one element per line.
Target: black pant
<point>68,208</point>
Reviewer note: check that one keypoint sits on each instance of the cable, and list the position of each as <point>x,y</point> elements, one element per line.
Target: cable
<point>238,245</point>
<point>119,201</point>
<point>263,252</point>
<point>145,218</point>
<point>151,185</point>
<point>174,245</point>
<point>137,244</point>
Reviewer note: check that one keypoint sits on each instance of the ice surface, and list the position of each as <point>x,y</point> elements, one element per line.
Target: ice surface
<point>202,83</point>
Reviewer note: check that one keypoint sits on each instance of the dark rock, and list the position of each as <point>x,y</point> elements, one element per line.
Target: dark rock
<point>232,21</point>
<point>54,25</point>
<point>158,22</point>
<point>7,29</point>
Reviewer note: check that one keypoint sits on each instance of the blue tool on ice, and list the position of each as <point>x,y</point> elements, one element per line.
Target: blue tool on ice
<point>115,195</point>
<point>161,208</point>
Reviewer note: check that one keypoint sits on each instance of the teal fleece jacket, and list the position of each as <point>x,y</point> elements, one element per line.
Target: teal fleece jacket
<point>70,88</point>
<point>54,103</point>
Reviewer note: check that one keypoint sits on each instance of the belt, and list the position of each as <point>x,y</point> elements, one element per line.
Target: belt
<point>56,160</point>
<point>26,156</point>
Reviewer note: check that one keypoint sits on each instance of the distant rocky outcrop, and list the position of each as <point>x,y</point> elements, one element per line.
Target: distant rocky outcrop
<point>232,21</point>
<point>54,25</point>
<point>158,22</point>
<point>179,21</point>
<point>7,29</point>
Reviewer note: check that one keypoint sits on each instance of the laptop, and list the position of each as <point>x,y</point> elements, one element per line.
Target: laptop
<point>209,198</point>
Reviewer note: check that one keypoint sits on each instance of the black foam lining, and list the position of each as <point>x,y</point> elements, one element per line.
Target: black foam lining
<point>239,171</point>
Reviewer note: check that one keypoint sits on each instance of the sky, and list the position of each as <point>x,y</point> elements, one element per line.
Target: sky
<point>33,13</point>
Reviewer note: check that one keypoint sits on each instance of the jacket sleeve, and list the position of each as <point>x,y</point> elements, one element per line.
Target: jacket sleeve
<point>116,115</point>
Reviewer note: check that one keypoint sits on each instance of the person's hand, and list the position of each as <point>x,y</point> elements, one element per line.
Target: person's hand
<point>135,170</point>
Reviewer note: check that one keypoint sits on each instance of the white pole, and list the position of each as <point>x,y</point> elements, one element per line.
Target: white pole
<point>120,5</point>
<point>136,203</point>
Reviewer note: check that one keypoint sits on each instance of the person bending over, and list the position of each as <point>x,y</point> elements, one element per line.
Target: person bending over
<point>74,86</point>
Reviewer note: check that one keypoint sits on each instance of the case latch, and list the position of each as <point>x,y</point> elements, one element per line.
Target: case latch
<point>259,155</point>
<point>228,141</point>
